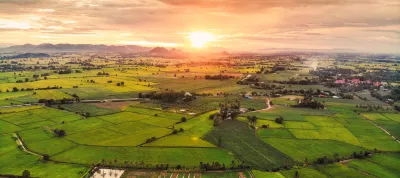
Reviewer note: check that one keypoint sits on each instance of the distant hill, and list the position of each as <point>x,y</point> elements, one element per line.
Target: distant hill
<point>47,47</point>
<point>26,55</point>
<point>159,50</point>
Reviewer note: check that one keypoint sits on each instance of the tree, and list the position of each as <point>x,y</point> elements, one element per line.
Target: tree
<point>279,120</point>
<point>26,174</point>
<point>296,174</point>
<point>46,157</point>
<point>183,119</point>
<point>219,141</point>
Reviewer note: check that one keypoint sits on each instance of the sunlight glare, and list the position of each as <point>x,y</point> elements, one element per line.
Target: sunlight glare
<point>199,39</point>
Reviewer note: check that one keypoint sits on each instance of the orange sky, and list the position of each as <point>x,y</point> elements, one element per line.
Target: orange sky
<point>238,25</point>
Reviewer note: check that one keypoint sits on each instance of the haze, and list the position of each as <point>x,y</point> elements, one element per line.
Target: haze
<point>257,25</point>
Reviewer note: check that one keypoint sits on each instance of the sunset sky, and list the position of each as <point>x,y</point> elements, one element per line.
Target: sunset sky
<point>237,25</point>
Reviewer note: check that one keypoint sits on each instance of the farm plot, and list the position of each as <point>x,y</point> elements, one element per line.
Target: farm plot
<point>179,141</point>
<point>14,161</point>
<point>375,116</point>
<point>6,127</point>
<point>122,117</point>
<point>158,121</point>
<point>392,127</point>
<point>274,133</point>
<point>236,137</point>
<point>136,138</point>
<point>37,124</point>
<point>393,116</point>
<point>373,169</point>
<point>339,134</point>
<point>323,121</point>
<point>57,145</point>
<point>305,172</point>
<point>388,160</point>
<point>35,135</point>
<point>298,125</point>
<point>372,137</point>
<point>149,155</point>
<point>87,108</point>
<point>93,137</point>
<point>82,125</point>
<point>300,149</point>
<point>340,170</point>
<point>130,127</point>
<point>258,174</point>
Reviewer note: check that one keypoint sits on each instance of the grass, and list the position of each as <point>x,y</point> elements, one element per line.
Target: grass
<point>92,137</point>
<point>172,156</point>
<point>323,121</point>
<point>81,125</point>
<point>179,141</point>
<point>83,107</point>
<point>57,145</point>
<point>388,160</point>
<point>304,172</point>
<point>136,138</point>
<point>311,149</point>
<point>14,161</point>
<point>6,127</point>
<point>275,133</point>
<point>122,117</point>
<point>327,133</point>
<point>261,174</point>
<point>298,125</point>
<point>340,170</point>
<point>237,138</point>
<point>373,169</point>
<point>34,135</point>
<point>158,121</point>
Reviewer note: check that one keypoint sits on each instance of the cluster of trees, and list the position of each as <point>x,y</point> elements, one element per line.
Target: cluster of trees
<point>252,120</point>
<point>218,77</point>
<point>59,133</point>
<point>279,120</point>
<point>168,96</point>
<point>66,71</point>
<point>49,102</point>
<point>15,89</point>
<point>151,139</point>
<point>370,107</point>
<point>308,102</point>
<point>103,73</point>
<point>299,82</point>
<point>121,84</point>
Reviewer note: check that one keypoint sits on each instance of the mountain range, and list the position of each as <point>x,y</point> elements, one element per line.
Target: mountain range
<point>47,47</point>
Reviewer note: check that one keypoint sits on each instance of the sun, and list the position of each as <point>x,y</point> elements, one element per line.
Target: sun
<point>199,39</point>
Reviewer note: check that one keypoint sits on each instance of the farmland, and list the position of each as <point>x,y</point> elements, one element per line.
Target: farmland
<point>155,116</point>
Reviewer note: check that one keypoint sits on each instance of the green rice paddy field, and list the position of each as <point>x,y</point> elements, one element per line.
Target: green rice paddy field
<point>152,131</point>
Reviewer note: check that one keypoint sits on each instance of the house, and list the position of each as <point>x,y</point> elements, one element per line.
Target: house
<point>377,84</point>
<point>355,81</point>
<point>340,82</point>
<point>321,95</point>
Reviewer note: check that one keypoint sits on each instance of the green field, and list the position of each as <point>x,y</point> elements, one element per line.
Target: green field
<point>237,138</point>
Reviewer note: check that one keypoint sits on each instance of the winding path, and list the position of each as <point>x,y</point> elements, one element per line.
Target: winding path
<point>267,108</point>
<point>20,142</point>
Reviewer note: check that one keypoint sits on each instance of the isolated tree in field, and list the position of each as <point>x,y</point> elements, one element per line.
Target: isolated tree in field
<point>26,174</point>
<point>46,157</point>
<point>183,119</point>
<point>296,174</point>
<point>252,120</point>
<point>279,120</point>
